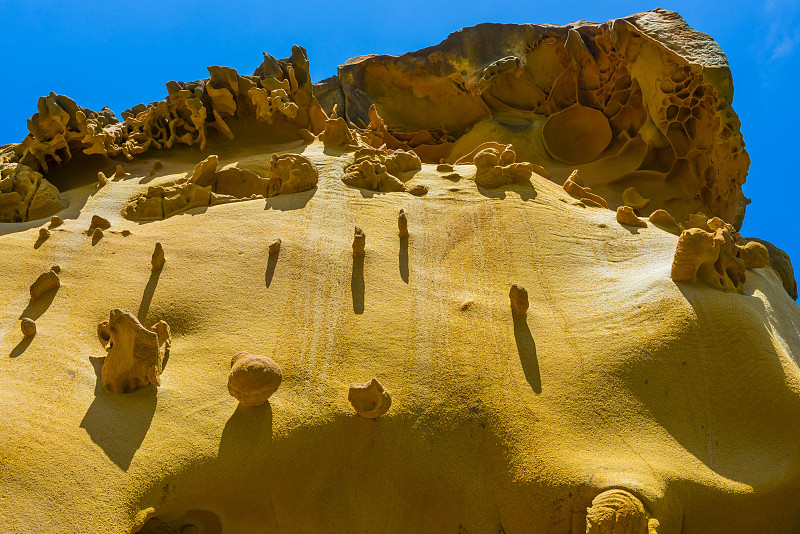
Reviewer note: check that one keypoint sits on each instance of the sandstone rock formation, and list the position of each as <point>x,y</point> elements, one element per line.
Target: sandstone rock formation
<point>626,216</point>
<point>585,194</point>
<point>359,241</point>
<point>253,378</point>
<point>208,186</point>
<point>278,94</point>
<point>617,511</point>
<point>46,282</point>
<point>25,195</point>
<point>28,327</point>
<point>643,100</point>
<point>402,224</point>
<point>781,264</point>
<point>381,170</point>
<point>717,257</point>
<point>519,300</point>
<point>157,260</point>
<point>616,399</point>
<point>135,354</point>
<point>369,399</point>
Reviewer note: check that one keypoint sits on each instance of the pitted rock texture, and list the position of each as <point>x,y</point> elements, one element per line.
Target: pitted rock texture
<point>642,100</point>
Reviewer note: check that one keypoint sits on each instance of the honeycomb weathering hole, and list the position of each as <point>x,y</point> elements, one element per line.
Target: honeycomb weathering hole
<point>577,135</point>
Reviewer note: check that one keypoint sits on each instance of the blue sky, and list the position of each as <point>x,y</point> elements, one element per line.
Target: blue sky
<point>119,57</point>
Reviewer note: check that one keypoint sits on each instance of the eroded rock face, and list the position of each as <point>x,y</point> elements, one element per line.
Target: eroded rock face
<point>208,186</point>
<point>717,256</point>
<point>135,354</point>
<point>381,170</point>
<point>644,100</point>
<point>25,195</point>
<point>277,99</point>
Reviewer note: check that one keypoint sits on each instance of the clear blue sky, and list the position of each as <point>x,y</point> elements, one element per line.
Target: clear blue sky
<point>122,55</point>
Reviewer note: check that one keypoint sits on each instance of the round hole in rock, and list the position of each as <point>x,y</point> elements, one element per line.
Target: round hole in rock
<point>578,134</point>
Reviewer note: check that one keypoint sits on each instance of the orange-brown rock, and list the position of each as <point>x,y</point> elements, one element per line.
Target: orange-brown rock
<point>369,399</point>
<point>135,354</point>
<point>25,195</point>
<point>359,241</point>
<point>519,300</point>
<point>28,327</point>
<point>641,101</point>
<point>157,260</point>
<point>381,170</point>
<point>402,224</point>
<point>46,282</point>
<point>583,193</point>
<point>626,216</point>
<point>715,257</point>
<point>253,378</point>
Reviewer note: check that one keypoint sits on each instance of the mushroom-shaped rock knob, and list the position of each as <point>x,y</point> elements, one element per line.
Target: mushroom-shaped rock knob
<point>519,300</point>
<point>253,378</point>
<point>369,399</point>
<point>359,240</point>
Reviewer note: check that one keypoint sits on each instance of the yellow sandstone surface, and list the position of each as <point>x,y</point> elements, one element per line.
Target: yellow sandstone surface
<point>621,398</point>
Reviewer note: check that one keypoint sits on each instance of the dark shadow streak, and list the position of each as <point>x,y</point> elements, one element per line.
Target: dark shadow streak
<point>21,347</point>
<point>37,307</point>
<point>526,348</point>
<point>96,239</point>
<point>147,296</point>
<point>357,284</point>
<point>118,423</point>
<point>40,241</point>
<point>247,432</point>
<point>271,262</point>
<point>403,259</point>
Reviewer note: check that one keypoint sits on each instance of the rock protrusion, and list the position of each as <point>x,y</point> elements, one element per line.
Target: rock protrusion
<point>275,246</point>
<point>718,256</point>
<point>519,300</point>
<point>369,399</point>
<point>359,241</point>
<point>402,224</point>
<point>253,378</point>
<point>99,222</point>
<point>157,260</point>
<point>782,265</point>
<point>135,354</point>
<point>102,179</point>
<point>381,170</point>
<point>210,186</point>
<point>585,194</point>
<point>46,282</point>
<point>632,198</point>
<point>55,221</point>
<point>626,216</point>
<point>119,172</point>
<point>495,168</point>
<point>44,233</point>
<point>28,327</point>
<point>617,511</point>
